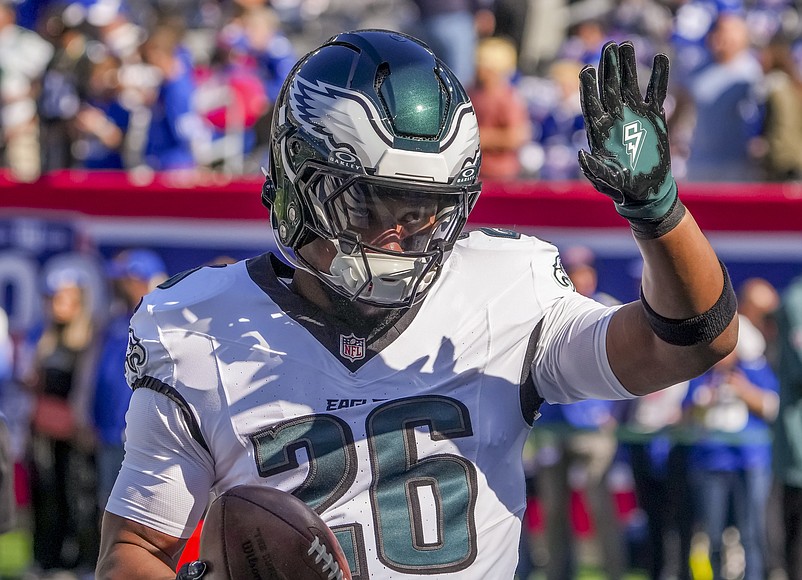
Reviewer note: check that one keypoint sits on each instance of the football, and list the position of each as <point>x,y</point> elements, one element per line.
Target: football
<point>253,531</point>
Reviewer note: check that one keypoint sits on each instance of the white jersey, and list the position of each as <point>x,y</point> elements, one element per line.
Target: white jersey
<point>408,443</point>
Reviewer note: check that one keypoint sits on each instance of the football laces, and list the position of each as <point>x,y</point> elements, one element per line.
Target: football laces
<point>322,555</point>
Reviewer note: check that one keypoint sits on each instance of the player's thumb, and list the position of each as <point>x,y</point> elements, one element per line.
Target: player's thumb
<point>604,178</point>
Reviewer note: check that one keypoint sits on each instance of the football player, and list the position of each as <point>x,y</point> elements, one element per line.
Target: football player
<point>383,365</point>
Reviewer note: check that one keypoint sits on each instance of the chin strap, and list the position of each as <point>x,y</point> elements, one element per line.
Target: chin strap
<point>388,279</point>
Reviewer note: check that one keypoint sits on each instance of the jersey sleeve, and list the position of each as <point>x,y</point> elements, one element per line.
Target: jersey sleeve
<point>166,475</point>
<point>167,472</point>
<point>570,362</point>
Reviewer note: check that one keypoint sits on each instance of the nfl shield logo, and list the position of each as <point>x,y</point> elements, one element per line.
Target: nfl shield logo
<point>352,347</point>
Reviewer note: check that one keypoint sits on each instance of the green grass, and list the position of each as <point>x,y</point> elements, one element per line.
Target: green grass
<point>15,553</point>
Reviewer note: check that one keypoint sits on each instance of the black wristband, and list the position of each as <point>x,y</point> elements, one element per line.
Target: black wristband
<point>699,329</point>
<point>645,229</point>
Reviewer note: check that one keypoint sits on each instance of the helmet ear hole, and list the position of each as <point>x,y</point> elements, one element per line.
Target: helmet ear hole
<point>290,225</point>
<point>268,192</point>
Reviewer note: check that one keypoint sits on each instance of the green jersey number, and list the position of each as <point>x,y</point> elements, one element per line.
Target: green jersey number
<point>406,491</point>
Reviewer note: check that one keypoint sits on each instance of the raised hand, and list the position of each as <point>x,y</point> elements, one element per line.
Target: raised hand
<point>629,158</point>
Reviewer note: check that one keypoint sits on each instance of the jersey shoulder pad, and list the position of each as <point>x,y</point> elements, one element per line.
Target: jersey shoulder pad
<point>503,239</point>
<point>194,286</point>
<point>506,250</point>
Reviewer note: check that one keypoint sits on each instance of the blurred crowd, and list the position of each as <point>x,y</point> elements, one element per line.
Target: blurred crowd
<point>188,85</point>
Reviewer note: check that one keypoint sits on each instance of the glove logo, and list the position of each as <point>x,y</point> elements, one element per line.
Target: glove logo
<point>633,141</point>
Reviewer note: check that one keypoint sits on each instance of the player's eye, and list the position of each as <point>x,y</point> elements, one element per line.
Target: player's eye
<point>415,220</point>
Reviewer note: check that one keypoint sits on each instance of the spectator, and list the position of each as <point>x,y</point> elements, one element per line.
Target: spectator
<point>562,127</point>
<point>174,126</point>
<point>230,97</point>
<point>782,126</point>
<point>504,125</point>
<point>134,272</point>
<point>102,120</point>
<point>586,36</point>
<point>8,503</point>
<point>723,96</point>
<point>65,530</point>
<point>137,81</point>
<point>579,264</point>
<point>261,39</point>
<point>659,473</point>
<point>788,427</point>
<point>731,408</point>
<point>448,27</point>
<point>23,58</point>
<point>64,86</point>
<point>758,301</point>
<point>251,60</point>
<point>275,56</point>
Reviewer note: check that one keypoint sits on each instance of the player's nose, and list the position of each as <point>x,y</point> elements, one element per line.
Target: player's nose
<point>390,239</point>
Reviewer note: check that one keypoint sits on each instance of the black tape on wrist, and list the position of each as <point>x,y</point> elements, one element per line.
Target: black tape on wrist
<point>651,229</point>
<point>699,329</point>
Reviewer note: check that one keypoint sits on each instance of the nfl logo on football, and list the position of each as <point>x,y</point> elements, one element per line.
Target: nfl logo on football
<point>352,347</point>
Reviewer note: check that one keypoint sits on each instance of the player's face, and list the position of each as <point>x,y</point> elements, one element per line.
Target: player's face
<point>398,223</point>
<point>384,219</point>
<point>393,219</point>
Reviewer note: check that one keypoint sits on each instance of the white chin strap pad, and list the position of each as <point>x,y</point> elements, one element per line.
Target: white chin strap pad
<point>393,277</point>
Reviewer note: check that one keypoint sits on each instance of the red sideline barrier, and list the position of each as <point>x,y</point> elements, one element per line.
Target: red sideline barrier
<point>757,207</point>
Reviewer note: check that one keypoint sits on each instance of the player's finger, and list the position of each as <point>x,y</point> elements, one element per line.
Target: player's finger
<point>658,83</point>
<point>630,91</point>
<point>589,92</point>
<point>592,110</point>
<point>609,76</point>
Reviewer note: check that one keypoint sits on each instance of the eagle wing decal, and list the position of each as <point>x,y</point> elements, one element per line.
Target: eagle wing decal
<point>341,117</point>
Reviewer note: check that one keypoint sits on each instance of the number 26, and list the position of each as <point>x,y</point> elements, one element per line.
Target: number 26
<point>401,481</point>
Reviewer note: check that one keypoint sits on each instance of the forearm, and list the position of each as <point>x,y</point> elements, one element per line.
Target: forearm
<point>132,562</point>
<point>681,273</point>
<point>682,278</point>
<point>132,551</point>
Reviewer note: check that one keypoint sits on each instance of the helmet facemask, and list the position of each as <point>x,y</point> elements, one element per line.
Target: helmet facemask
<point>389,238</point>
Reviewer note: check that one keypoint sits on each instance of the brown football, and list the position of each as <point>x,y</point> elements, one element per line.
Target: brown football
<point>252,531</point>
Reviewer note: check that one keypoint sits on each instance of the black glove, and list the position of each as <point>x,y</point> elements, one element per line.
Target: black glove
<point>192,570</point>
<point>629,158</point>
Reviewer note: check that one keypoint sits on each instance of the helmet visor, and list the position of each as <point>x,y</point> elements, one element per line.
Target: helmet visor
<point>393,216</point>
